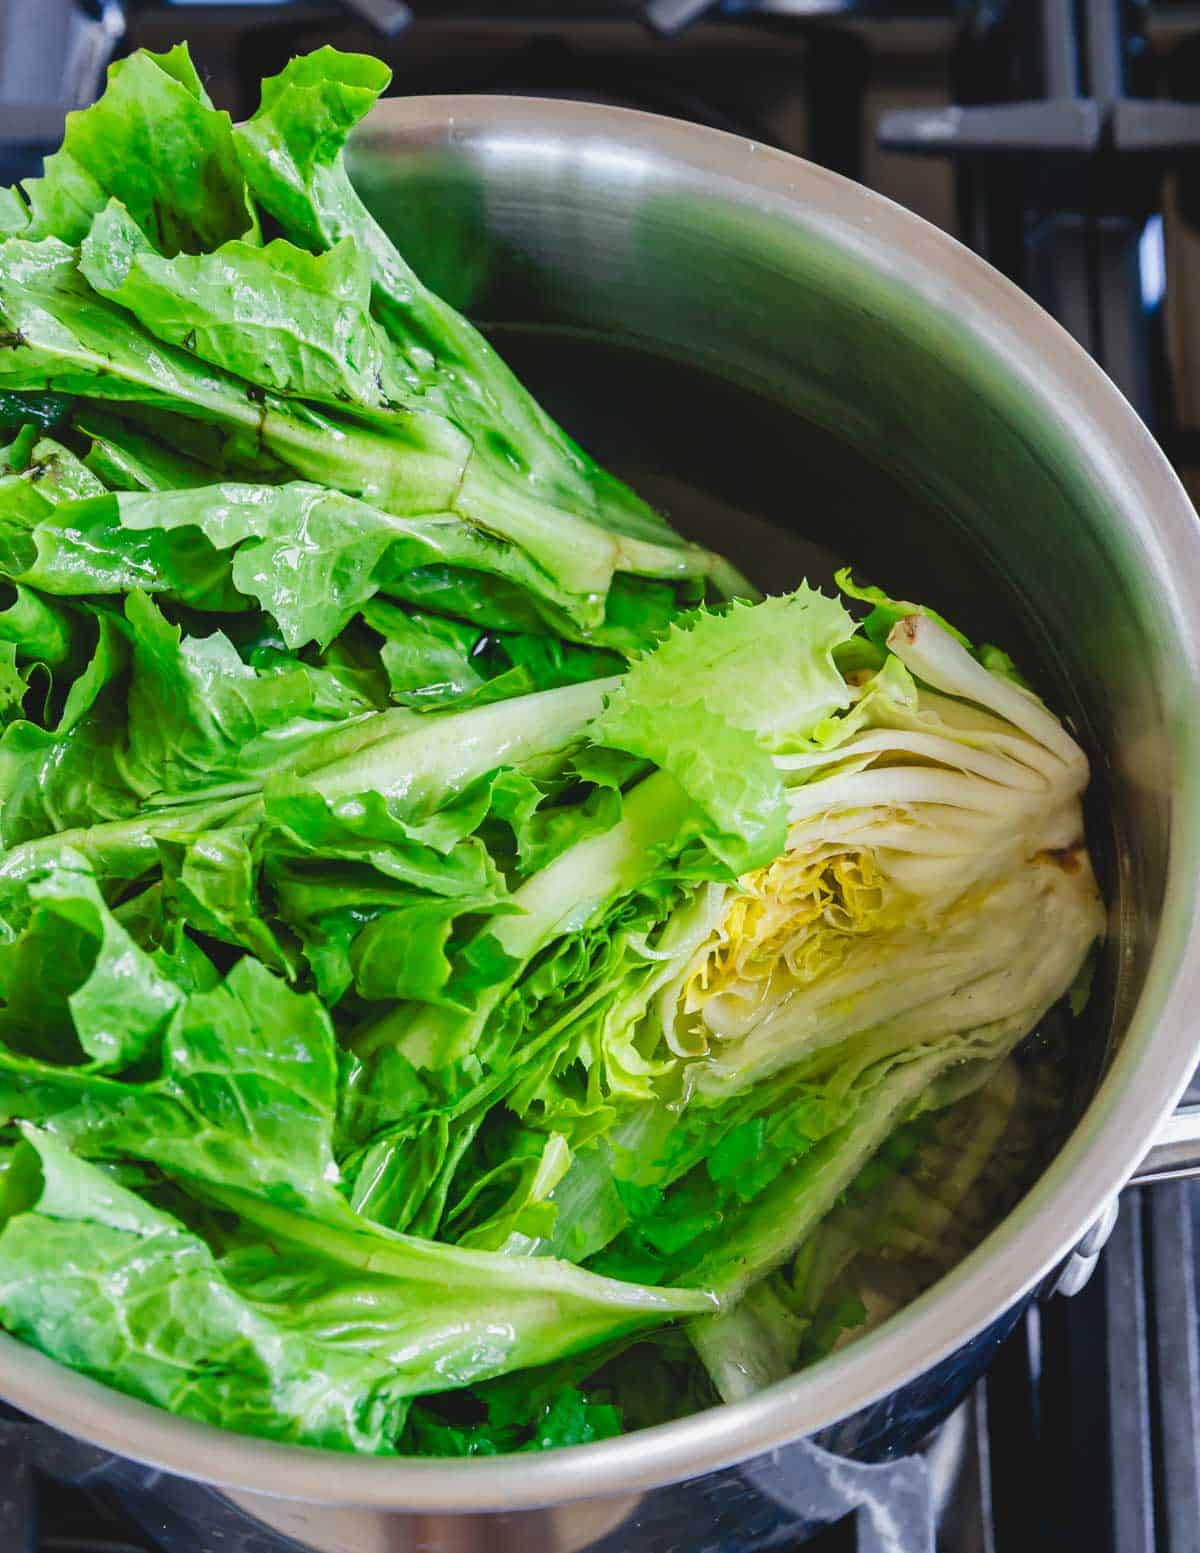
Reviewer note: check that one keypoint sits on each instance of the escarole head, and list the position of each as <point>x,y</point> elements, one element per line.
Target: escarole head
<point>935,879</point>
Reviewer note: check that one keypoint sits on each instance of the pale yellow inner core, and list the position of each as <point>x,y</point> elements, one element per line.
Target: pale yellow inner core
<point>796,917</point>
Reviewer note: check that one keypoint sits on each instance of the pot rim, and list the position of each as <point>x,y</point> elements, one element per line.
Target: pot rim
<point>1122,1118</point>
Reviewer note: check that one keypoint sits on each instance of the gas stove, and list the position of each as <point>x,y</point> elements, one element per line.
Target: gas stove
<point>1061,140</point>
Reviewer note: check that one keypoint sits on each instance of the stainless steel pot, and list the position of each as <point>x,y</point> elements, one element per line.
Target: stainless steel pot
<point>779,355</point>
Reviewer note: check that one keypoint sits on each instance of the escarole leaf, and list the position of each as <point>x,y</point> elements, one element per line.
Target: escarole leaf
<point>86,1254</point>
<point>38,630</point>
<point>52,472</point>
<point>74,983</point>
<point>781,1216</point>
<point>62,335</point>
<point>77,548</point>
<point>312,557</point>
<point>126,459</point>
<point>373,889</point>
<point>525,469</point>
<point>55,774</point>
<point>320,1342</point>
<point>291,153</point>
<point>769,669</point>
<point>767,672</point>
<point>887,612</point>
<point>246,1097</point>
<point>201,717</point>
<point>293,322</point>
<point>431,661</point>
<point>911,1211</point>
<point>210,881</point>
<point>155,142</point>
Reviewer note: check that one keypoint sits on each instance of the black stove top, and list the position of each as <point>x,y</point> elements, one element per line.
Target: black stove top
<point>1060,139</point>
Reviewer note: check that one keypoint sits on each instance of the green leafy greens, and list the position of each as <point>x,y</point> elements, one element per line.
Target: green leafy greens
<point>471,980</point>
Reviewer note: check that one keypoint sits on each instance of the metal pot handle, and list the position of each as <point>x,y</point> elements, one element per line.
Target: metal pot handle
<point>1173,1156</point>
<point>1175,1153</point>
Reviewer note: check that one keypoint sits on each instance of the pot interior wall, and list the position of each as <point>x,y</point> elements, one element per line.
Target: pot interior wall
<point>796,406</point>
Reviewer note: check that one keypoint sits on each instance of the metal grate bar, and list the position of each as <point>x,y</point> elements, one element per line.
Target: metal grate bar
<point>1175,1362</point>
<point>1127,1360</point>
<point>18,1517</point>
